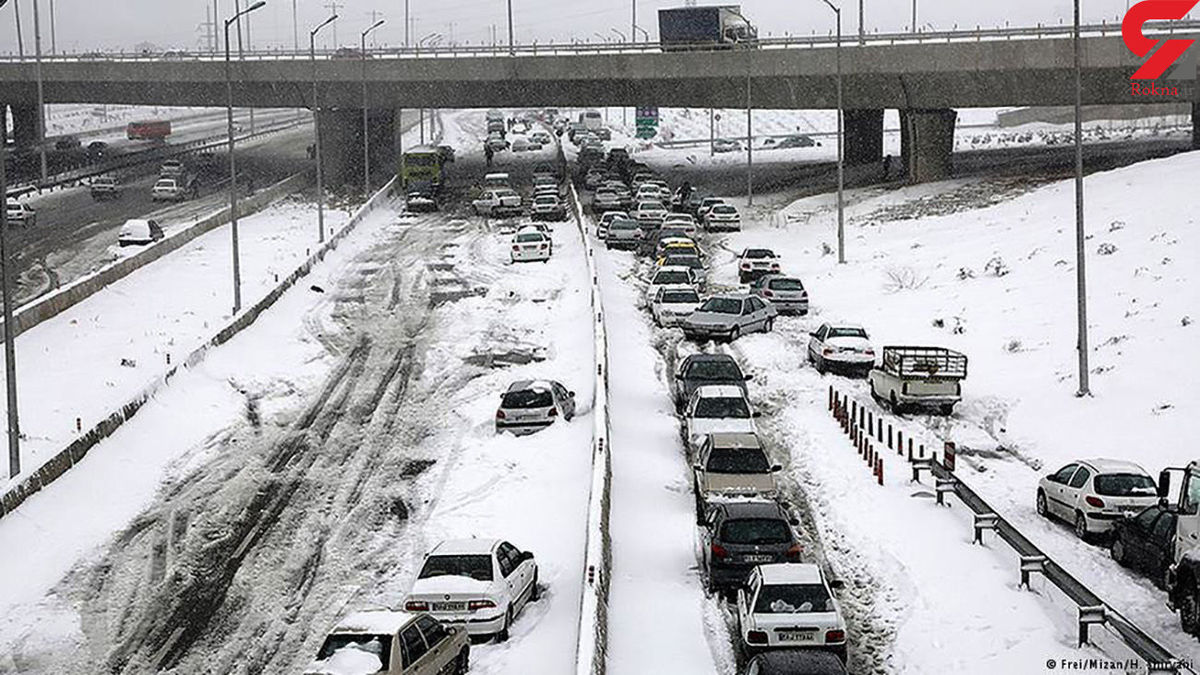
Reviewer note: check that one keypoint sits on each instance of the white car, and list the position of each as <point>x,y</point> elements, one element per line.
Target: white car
<point>650,212</point>
<point>756,262</point>
<point>175,189</point>
<point>606,220</point>
<point>520,144</point>
<point>385,642</point>
<point>790,605</point>
<point>683,221</point>
<point>672,303</point>
<point>722,217</point>
<point>498,202</point>
<point>1093,494</point>
<point>717,408</point>
<point>139,232</point>
<point>844,347</point>
<point>496,181</point>
<point>531,245</point>
<point>669,276</point>
<point>478,583</point>
<point>19,213</point>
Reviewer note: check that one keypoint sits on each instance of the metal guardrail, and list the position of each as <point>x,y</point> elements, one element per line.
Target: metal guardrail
<point>141,157</point>
<point>1093,610</point>
<point>580,47</point>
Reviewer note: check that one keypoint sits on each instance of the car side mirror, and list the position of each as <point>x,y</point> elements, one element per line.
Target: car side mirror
<point>776,468</point>
<point>812,335</point>
<point>525,555</point>
<point>570,394</point>
<point>747,378</point>
<point>757,414</point>
<point>794,521</point>
<point>698,467</point>
<point>837,584</point>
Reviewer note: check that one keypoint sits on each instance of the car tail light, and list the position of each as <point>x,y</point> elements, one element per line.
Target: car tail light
<point>416,606</point>
<point>745,265</point>
<point>553,412</point>
<point>475,605</point>
<point>774,266</point>
<point>542,247</point>
<point>768,294</point>
<point>793,553</point>
<point>832,636</point>
<point>829,350</point>
<point>1095,501</point>
<point>756,637</point>
<point>719,552</point>
<point>500,414</point>
<point>516,248</point>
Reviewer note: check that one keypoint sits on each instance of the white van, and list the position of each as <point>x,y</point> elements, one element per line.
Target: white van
<point>591,119</point>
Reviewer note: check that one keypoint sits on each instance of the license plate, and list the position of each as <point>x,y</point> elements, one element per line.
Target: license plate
<point>449,606</point>
<point>796,637</point>
<point>758,558</point>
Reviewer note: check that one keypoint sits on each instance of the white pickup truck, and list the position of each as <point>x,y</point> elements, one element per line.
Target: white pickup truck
<point>499,202</point>
<point>919,377</point>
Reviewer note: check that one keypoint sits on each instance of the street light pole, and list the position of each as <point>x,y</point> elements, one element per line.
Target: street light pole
<point>10,350</point>
<point>511,45</point>
<point>312,55</point>
<point>841,167</point>
<point>862,35</point>
<point>366,135</point>
<point>233,212</point>
<point>633,22</point>
<point>41,98</point>
<point>1080,237</point>
<point>914,16</point>
<point>749,138</point>
<point>407,24</point>
<point>20,38</point>
<point>295,28</point>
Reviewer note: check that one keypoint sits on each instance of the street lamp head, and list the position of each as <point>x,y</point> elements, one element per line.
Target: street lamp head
<point>377,25</point>
<point>328,21</point>
<point>833,6</point>
<point>256,5</point>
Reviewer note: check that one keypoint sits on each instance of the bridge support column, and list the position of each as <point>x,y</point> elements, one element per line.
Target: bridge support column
<point>342,146</point>
<point>1196,125</point>
<point>927,143</point>
<point>26,129</point>
<point>864,137</point>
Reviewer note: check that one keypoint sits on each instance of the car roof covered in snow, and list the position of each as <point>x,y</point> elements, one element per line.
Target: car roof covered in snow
<point>725,439</point>
<point>845,324</point>
<point>465,547</point>
<point>374,622</point>
<point>535,385</point>
<point>801,661</point>
<point>719,391</point>
<point>1113,466</point>
<point>673,268</point>
<point>752,508</point>
<point>790,573</point>
<point>709,357</point>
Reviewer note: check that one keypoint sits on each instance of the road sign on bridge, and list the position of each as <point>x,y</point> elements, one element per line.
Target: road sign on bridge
<point>647,122</point>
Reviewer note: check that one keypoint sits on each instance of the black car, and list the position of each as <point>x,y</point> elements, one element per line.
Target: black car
<point>699,370</point>
<point>741,535</point>
<point>1146,542</point>
<point>794,662</point>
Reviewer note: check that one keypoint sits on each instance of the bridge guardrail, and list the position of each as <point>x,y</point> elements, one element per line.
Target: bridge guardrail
<point>1039,31</point>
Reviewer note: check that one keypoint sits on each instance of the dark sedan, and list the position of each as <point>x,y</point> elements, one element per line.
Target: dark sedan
<point>794,662</point>
<point>1146,541</point>
<point>699,370</point>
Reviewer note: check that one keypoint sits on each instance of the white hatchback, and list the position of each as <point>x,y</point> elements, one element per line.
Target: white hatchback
<point>790,605</point>
<point>672,303</point>
<point>480,583</point>
<point>717,408</point>
<point>1093,494</point>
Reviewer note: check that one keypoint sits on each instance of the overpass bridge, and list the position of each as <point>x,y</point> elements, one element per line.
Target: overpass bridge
<point>925,76</point>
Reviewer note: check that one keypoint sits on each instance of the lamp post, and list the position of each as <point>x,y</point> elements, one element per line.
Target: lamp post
<point>1080,237</point>
<point>914,16</point>
<point>41,98</point>
<point>233,213</point>
<point>841,168</point>
<point>512,49</point>
<point>10,356</point>
<point>421,111</point>
<point>862,35</point>
<point>366,135</point>
<point>312,55</point>
<point>749,137</point>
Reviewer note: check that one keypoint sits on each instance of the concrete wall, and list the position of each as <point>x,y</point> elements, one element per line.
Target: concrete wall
<point>1091,113</point>
<point>77,450</point>
<point>929,75</point>
<point>49,305</point>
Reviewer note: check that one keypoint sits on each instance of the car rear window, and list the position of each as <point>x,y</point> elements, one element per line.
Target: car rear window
<point>757,253</point>
<point>722,306</point>
<point>786,285</point>
<point>672,278</point>
<point>529,237</point>
<point>527,398</point>
<point>478,567</point>
<point>847,332</point>
<point>738,460</point>
<point>684,261</point>
<point>678,297</point>
<point>623,225</point>
<point>754,531</point>
<point>379,645</point>
<point>720,408</point>
<point>1125,485</point>
<point>793,599</point>
<point>714,370</point>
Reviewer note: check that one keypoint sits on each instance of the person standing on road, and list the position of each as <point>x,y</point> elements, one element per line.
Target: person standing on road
<point>488,153</point>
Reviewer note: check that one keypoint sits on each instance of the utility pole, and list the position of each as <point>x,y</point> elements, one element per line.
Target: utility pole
<point>511,45</point>
<point>296,28</point>
<point>20,40</point>
<point>366,118</point>
<point>1080,237</point>
<point>633,22</point>
<point>862,34</point>
<point>407,25</point>
<point>312,54</point>
<point>914,17</point>
<point>53,30</point>
<point>749,137</point>
<point>10,350</point>
<point>41,96</point>
<point>841,165</point>
<point>712,133</point>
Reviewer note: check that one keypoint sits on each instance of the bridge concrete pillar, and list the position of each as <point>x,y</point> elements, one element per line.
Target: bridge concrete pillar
<point>927,143</point>
<point>26,126</point>
<point>1196,125</point>
<point>864,137</point>
<point>381,132</point>
<point>342,146</point>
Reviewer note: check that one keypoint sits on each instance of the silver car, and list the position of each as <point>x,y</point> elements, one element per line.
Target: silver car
<point>533,405</point>
<point>623,233</point>
<point>728,317</point>
<point>786,293</point>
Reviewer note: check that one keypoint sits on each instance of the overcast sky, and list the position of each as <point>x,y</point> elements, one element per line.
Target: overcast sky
<point>83,25</point>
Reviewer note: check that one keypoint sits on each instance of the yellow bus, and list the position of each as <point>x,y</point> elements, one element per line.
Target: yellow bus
<point>422,165</point>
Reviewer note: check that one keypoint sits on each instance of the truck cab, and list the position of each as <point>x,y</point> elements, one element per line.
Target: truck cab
<point>1183,576</point>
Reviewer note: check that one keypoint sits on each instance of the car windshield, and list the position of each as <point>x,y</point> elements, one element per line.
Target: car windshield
<point>680,297</point>
<point>379,645</point>
<point>650,206</point>
<point>527,398</point>
<point>756,531</point>
<point>165,184</point>
<point>431,159</point>
<point>793,599</point>
<point>722,306</point>
<point>721,208</point>
<point>715,370</point>
<point>672,278</point>
<point>529,237</point>
<point>505,193</point>
<point>1125,485</point>
<point>847,332</point>
<point>478,567</point>
<point>786,285</point>
<point>722,408</point>
<point>623,225</point>
<point>758,253</point>
<point>684,261</point>
<point>545,201</point>
<point>738,460</point>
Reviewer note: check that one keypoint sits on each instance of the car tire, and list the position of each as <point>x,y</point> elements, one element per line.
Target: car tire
<point>769,326</point>
<point>535,592</point>
<point>503,635</point>
<point>1081,530</point>
<point>735,333</point>
<point>894,403</point>
<point>947,409</point>
<point>462,662</point>
<point>1189,611</point>
<point>1040,503</point>
<point>818,363</point>
<point>1117,551</point>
